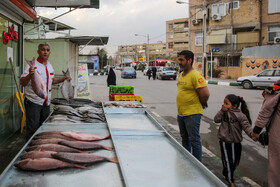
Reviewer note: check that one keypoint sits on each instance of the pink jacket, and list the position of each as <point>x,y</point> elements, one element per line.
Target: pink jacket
<point>231,130</point>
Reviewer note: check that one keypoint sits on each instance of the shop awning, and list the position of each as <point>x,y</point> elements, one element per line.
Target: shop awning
<point>88,40</point>
<point>21,8</point>
<point>64,3</point>
<point>55,25</point>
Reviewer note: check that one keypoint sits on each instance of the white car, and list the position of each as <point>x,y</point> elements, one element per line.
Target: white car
<point>263,79</point>
<point>166,73</point>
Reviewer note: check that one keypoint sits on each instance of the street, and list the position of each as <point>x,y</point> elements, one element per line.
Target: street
<point>160,97</point>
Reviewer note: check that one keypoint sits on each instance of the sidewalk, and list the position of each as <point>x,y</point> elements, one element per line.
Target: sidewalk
<point>223,82</point>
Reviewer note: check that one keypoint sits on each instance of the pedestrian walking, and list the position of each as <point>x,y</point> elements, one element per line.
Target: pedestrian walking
<point>269,117</point>
<point>233,121</point>
<point>111,79</point>
<point>191,98</point>
<point>149,73</point>
<point>265,65</point>
<point>38,109</point>
<point>154,71</point>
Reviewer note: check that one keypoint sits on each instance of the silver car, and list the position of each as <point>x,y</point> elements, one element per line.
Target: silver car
<point>166,73</point>
<point>263,79</point>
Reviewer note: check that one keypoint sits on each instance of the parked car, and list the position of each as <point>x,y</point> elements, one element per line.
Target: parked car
<point>128,72</point>
<point>166,73</point>
<point>263,79</point>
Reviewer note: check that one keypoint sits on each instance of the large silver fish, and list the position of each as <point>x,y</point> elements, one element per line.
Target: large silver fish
<point>66,88</point>
<point>37,82</point>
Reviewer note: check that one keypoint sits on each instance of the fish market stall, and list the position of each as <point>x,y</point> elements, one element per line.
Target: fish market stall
<point>134,148</point>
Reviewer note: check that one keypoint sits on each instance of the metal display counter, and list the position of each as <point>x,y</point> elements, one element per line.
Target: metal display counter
<point>149,156</point>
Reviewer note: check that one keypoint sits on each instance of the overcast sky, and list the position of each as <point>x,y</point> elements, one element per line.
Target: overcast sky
<point>121,20</point>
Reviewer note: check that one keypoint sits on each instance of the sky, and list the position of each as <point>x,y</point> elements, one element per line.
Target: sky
<point>120,20</point>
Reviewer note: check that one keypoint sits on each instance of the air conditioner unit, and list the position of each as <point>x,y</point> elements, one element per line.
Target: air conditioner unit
<point>195,22</point>
<point>277,40</point>
<point>216,17</point>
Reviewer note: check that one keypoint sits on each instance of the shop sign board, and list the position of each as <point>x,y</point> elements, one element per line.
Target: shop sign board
<point>11,35</point>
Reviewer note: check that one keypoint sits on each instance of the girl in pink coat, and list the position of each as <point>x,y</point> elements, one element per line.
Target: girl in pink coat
<point>233,121</point>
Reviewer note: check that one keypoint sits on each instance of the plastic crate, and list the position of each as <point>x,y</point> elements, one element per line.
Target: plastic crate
<point>120,89</point>
<point>112,96</point>
<point>128,98</point>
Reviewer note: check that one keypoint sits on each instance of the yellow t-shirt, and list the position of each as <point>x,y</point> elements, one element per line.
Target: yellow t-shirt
<point>187,99</point>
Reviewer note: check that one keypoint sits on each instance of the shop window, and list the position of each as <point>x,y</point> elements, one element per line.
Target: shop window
<point>198,39</point>
<point>10,113</point>
<point>273,32</point>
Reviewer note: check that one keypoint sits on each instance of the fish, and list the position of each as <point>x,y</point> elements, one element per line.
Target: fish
<point>53,136</point>
<point>49,133</point>
<point>37,83</point>
<point>37,154</point>
<point>66,88</point>
<point>83,158</point>
<point>84,145</point>
<point>46,141</point>
<point>84,136</point>
<point>43,164</point>
<point>68,110</point>
<point>53,147</point>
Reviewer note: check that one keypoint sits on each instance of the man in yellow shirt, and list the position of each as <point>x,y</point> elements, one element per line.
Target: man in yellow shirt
<point>191,98</point>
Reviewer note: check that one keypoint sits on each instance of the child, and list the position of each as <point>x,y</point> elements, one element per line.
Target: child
<point>232,120</point>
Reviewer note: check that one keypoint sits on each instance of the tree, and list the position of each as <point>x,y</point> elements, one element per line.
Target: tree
<point>102,53</point>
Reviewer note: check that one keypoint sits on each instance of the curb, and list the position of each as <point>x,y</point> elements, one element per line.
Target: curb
<point>223,83</point>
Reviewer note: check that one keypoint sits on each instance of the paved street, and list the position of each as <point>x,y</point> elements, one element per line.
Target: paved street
<point>160,97</point>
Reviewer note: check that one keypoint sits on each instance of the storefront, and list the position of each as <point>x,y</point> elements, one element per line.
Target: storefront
<point>12,16</point>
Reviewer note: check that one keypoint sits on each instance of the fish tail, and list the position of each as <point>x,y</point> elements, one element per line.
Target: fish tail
<point>107,136</point>
<point>114,159</point>
<point>79,166</point>
<point>108,148</point>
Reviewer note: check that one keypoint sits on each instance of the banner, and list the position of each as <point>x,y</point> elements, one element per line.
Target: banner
<point>83,87</point>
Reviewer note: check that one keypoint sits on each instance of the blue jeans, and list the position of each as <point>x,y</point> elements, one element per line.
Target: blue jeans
<point>189,129</point>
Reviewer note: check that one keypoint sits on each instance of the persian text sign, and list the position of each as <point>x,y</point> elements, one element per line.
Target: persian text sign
<point>11,35</point>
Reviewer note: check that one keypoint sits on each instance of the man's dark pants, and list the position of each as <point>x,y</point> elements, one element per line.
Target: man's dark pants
<point>35,116</point>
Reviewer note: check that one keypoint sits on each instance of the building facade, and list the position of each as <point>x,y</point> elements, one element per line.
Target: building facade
<point>139,52</point>
<point>177,36</point>
<point>231,26</point>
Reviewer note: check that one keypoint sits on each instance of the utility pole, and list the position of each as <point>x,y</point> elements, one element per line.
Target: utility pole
<point>148,52</point>
<point>204,37</point>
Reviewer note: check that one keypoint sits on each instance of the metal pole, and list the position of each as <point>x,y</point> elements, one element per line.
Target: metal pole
<point>204,37</point>
<point>148,55</point>
<point>211,64</point>
<point>189,32</point>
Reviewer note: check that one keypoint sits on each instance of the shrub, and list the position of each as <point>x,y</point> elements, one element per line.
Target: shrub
<point>215,73</point>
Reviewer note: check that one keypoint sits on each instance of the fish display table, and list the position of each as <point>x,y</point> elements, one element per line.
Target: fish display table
<point>105,174</point>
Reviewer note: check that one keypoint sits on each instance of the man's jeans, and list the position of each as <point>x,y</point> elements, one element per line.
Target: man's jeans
<point>189,130</point>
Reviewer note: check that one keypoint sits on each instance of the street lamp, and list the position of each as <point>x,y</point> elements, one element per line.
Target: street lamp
<point>204,32</point>
<point>147,47</point>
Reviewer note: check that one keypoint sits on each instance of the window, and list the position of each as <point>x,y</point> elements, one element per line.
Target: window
<point>198,39</point>
<point>273,32</point>
<point>170,26</point>
<point>170,35</point>
<point>273,6</point>
<point>231,61</point>
<point>266,73</point>
<point>233,5</point>
<point>170,45</point>
<point>198,59</point>
<point>219,9</point>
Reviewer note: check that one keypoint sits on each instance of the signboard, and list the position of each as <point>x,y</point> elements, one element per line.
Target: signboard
<point>11,35</point>
<point>141,59</point>
<point>83,88</point>
<point>95,60</point>
<point>215,50</point>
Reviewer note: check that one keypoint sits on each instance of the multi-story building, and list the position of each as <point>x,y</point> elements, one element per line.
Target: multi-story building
<point>177,36</point>
<point>139,51</point>
<point>232,25</point>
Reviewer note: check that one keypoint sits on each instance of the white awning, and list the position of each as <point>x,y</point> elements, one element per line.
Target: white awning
<point>64,3</point>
